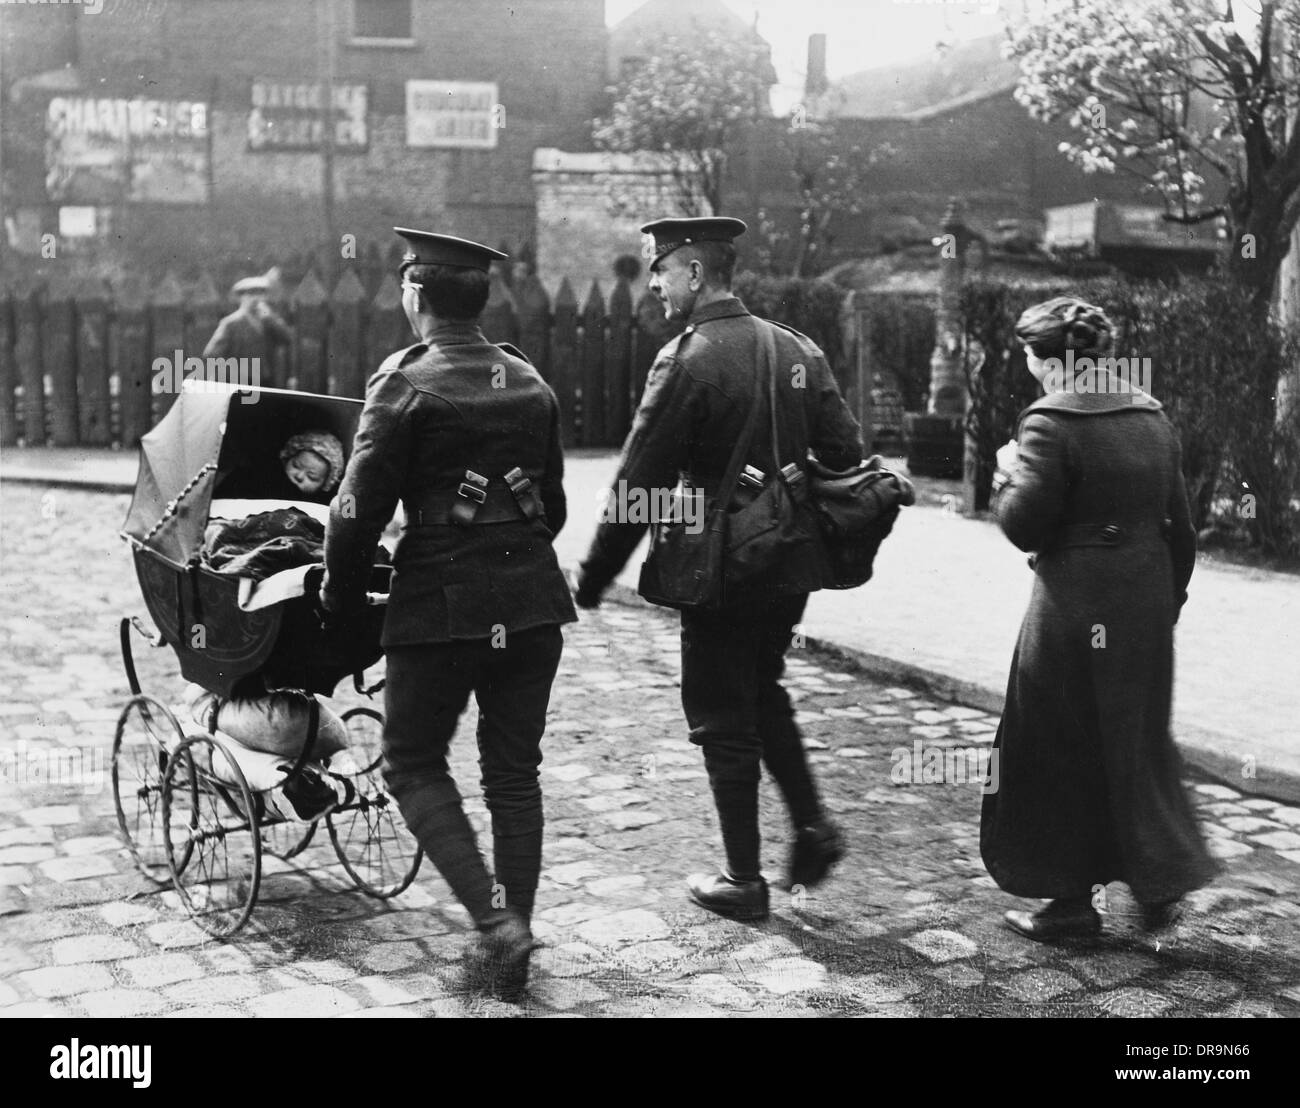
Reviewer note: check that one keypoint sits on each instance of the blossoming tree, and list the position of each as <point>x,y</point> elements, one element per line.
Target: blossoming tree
<point>1196,97</point>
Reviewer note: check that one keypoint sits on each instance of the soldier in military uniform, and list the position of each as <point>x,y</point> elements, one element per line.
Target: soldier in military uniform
<point>466,435</point>
<point>694,409</point>
<point>253,330</point>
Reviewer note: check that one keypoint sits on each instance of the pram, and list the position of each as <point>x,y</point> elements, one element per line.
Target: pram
<point>184,805</point>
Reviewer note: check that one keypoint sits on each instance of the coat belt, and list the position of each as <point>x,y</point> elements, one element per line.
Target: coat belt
<point>1106,534</point>
<point>434,510</point>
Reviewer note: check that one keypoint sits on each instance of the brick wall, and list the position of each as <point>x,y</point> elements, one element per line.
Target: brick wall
<point>590,208</point>
<point>546,56</point>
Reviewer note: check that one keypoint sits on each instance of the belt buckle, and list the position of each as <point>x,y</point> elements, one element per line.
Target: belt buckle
<point>519,484</point>
<point>474,487</point>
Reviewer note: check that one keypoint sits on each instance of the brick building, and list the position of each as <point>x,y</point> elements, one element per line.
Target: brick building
<point>151,134</point>
<point>950,127</point>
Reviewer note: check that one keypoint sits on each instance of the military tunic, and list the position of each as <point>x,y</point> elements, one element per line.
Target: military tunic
<point>431,413</point>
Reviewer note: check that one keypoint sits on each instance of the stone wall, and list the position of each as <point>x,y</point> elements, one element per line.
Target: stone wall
<point>590,208</point>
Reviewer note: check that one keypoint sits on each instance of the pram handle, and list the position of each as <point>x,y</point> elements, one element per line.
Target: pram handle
<point>376,599</point>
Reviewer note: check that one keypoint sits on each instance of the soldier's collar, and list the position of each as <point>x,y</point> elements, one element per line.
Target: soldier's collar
<point>455,332</point>
<point>718,309</point>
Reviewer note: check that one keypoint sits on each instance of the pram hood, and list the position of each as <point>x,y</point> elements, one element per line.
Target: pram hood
<point>219,439</point>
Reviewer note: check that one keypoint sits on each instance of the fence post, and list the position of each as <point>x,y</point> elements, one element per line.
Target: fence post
<point>387,329</point>
<point>134,366</point>
<point>167,319</point>
<point>94,402</point>
<point>618,364</point>
<point>28,352</point>
<point>866,377</point>
<point>61,362</point>
<point>347,376</point>
<point>500,320</point>
<point>564,356</point>
<point>593,368</point>
<point>535,323</point>
<point>310,319</point>
<point>8,372</point>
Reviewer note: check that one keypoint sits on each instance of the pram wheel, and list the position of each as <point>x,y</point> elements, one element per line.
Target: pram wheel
<point>146,738</point>
<point>210,829</point>
<point>369,835</point>
<point>285,839</point>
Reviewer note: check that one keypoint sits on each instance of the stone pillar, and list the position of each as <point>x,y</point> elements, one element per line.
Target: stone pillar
<point>948,393</point>
<point>935,437</point>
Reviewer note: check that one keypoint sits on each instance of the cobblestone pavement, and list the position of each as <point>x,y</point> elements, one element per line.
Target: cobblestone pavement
<point>909,925</point>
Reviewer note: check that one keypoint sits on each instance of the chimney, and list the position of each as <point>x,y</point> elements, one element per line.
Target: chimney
<point>815,84</point>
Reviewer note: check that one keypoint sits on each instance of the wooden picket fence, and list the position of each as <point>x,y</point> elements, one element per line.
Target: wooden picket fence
<point>76,360</point>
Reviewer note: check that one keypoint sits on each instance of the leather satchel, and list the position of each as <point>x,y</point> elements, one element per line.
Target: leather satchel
<point>856,510</point>
<point>684,565</point>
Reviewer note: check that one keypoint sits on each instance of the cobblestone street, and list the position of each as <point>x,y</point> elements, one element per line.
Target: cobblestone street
<point>909,925</point>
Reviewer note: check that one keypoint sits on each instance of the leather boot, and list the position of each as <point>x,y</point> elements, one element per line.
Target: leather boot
<point>724,894</point>
<point>1067,918</point>
<point>499,967</point>
<point>817,847</point>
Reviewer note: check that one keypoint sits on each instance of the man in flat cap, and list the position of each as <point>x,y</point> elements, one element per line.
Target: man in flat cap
<point>253,330</point>
<point>466,434</point>
<point>694,409</point>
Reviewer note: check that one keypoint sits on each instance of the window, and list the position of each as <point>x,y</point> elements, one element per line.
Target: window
<point>382,19</point>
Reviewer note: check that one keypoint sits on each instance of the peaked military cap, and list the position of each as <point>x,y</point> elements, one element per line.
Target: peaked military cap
<point>672,234</point>
<point>425,248</point>
<point>250,284</point>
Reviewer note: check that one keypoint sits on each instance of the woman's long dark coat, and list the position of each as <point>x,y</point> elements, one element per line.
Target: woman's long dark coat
<point>1088,787</point>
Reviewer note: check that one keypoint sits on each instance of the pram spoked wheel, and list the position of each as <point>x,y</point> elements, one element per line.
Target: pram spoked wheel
<point>146,738</point>
<point>369,835</point>
<point>285,839</point>
<point>211,835</point>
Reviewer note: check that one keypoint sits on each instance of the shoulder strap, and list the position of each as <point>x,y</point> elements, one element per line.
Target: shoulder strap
<point>399,358</point>
<point>732,475</point>
<point>513,351</point>
<point>767,345</point>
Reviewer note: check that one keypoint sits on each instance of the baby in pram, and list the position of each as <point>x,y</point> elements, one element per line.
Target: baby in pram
<point>265,734</point>
<point>313,463</point>
<point>255,539</point>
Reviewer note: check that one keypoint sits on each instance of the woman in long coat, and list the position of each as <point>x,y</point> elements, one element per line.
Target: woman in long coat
<point>1089,788</point>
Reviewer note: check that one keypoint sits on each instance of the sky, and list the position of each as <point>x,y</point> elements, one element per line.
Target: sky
<point>861,34</point>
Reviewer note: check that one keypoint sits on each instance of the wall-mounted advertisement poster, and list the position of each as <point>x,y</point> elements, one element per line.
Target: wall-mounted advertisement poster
<point>453,113</point>
<point>286,115</point>
<point>110,150</point>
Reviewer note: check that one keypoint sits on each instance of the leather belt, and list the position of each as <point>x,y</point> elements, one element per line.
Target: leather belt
<point>435,510</point>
